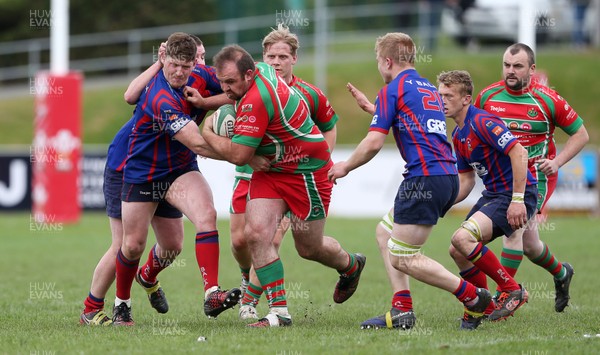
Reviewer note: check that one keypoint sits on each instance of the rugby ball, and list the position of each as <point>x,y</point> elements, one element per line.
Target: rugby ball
<point>224,120</point>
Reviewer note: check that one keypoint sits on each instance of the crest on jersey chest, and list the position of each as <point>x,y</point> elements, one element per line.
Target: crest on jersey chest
<point>532,112</point>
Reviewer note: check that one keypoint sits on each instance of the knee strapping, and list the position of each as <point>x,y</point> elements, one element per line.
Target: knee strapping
<point>399,248</point>
<point>471,226</point>
<point>387,222</point>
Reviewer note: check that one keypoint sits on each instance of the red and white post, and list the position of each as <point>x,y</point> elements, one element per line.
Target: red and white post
<point>56,150</point>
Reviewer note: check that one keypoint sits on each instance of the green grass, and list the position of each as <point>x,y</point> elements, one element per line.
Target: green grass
<point>46,276</point>
<point>574,75</point>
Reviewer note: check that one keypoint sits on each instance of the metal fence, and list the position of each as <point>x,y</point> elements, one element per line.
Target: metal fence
<point>316,27</point>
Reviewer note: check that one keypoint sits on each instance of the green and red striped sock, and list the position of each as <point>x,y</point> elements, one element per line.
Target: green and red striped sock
<point>547,260</point>
<point>272,281</point>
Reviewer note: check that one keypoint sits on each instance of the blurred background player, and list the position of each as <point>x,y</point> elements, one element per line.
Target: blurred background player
<point>484,145</point>
<point>410,106</point>
<point>532,111</point>
<point>280,50</point>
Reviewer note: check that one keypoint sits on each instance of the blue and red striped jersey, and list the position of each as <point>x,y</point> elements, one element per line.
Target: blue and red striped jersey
<point>412,107</point>
<point>117,150</point>
<point>203,79</point>
<point>482,145</point>
<point>153,153</point>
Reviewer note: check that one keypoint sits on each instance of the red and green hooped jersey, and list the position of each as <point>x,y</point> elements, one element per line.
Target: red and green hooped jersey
<point>321,111</point>
<point>276,121</point>
<point>532,115</point>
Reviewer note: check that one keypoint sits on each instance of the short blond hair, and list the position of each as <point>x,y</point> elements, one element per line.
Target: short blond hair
<point>397,46</point>
<point>461,78</point>
<point>281,34</point>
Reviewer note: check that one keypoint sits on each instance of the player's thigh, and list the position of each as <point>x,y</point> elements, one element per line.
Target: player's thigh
<point>169,233</point>
<point>237,222</point>
<point>479,226</point>
<point>283,227</point>
<point>116,232</point>
<point>413,234</point>
<point>136,218</point>
<point>307,234</point>
<point>262,217</point>
<point>191,194</point>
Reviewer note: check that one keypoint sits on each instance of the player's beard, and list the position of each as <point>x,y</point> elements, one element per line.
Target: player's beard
<point>232,95</point>
<point>519,85</point>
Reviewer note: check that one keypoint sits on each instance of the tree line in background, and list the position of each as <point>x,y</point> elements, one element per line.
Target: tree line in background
<point>26,19</point>
<point>22,20</point>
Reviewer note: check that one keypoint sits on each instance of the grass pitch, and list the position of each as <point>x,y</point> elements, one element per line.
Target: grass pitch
<point>46,272</point>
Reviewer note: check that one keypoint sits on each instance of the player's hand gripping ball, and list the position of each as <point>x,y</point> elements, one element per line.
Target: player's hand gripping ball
<point>224,120</point>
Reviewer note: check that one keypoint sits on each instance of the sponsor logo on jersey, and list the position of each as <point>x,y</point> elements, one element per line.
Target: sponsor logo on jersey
<point>489,124</point>
<point>374,120</point>
<point>504,139</point>
<point>513,125</point>
<point>532,112</point>
<point>497,109</point>
<point>242,119</point>
<point>479,169</point>
<point>526,127</point>
<point>436,126</point>
<point>497,130</point>
<point>251,119</point>
<point>469,147</point>
<point>175,126</point>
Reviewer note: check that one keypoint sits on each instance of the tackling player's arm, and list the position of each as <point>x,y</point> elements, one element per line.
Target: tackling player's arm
<point>194,97</point>
<point>190,136</point>
<point>234,153</point>
<point>364,152</point>
<point>137,85</point>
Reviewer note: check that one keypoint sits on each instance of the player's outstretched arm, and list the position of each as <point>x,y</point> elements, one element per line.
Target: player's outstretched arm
<point>137,85</point>
<point>190,136</point>
<point>194,97</point>
<point>234,153</point>
<point>364,152</point>
<point>361,99</point>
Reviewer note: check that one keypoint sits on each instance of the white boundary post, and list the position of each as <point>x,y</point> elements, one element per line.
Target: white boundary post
<point>59,37</point>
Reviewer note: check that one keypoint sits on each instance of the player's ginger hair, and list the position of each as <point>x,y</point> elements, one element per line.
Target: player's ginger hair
<point>461,78</point>
<point>397,46</point>
<point>281,34</point>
